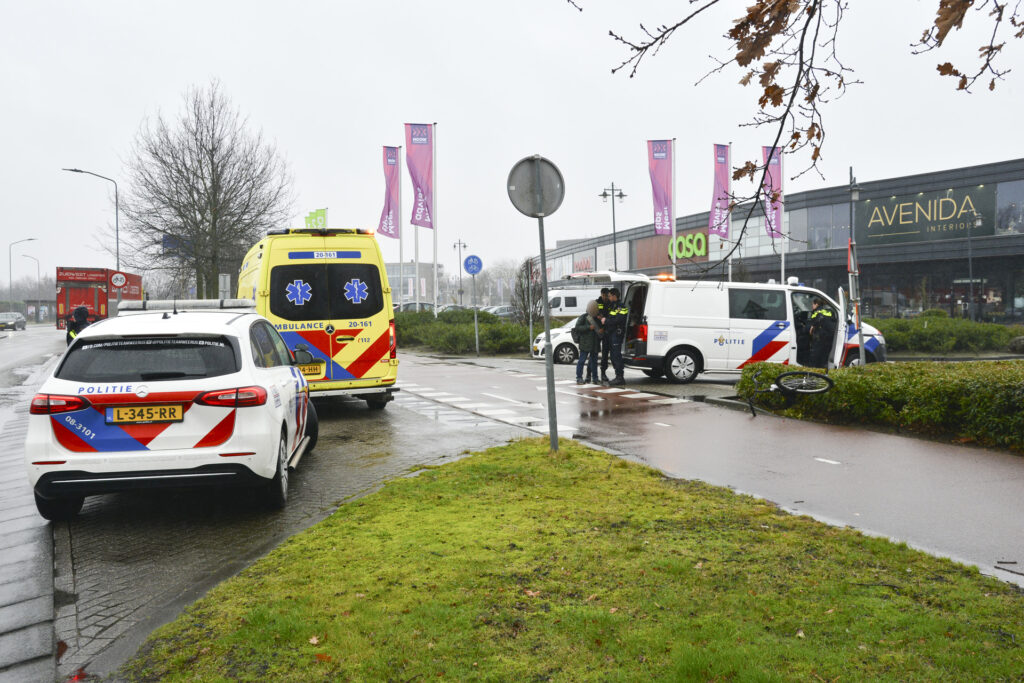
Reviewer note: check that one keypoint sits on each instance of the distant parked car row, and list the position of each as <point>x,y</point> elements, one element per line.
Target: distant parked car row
<point>503,312</point>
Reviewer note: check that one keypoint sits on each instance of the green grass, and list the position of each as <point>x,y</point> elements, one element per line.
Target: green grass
<point>515,564</point>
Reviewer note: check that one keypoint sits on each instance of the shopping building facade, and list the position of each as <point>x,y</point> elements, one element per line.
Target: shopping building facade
<point>919,242</point>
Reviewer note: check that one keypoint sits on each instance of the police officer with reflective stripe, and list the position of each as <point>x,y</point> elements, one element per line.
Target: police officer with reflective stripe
<point>78,322</point>
<point>822,330</point>
<point>615,331</point>
<point>602,315</point>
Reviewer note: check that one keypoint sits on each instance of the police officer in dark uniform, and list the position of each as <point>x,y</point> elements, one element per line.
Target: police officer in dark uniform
<point>79,321</point>
<point>615,332</point>
<point>602,315</point>
<point>822,330</point>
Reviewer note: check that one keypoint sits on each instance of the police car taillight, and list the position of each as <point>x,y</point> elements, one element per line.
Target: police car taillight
<point>234,398</point>
<point>641,332</point>
<point>393,339</point>
<point>49,404</point>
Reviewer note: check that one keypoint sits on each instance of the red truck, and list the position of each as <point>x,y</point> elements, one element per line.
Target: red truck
<point>95,288</point>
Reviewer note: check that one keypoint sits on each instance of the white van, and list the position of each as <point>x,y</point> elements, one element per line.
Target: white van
<point>566,302</point>
<point>681,329</point>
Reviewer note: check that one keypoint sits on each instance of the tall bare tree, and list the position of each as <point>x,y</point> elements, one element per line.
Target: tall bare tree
<point>202,189</point>
<point>786,49</point>
<point>527,294</point>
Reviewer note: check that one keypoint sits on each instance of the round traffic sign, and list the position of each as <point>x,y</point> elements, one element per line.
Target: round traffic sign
<point>535,187</point>
<point>473,264</point>
<point>118,280</point>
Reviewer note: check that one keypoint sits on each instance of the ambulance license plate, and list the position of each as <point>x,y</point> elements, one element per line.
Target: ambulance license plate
<point>312,370</point>
<point>143,414</point>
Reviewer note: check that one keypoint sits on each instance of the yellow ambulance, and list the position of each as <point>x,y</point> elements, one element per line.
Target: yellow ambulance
<point>326,290</point>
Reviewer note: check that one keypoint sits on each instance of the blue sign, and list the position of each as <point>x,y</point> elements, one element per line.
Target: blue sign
<point>473,265</point>
<point>356,291</point>
<point>299,292</point>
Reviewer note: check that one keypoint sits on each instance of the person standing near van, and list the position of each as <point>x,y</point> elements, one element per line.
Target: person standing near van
<point>822,331</point>
<point>615,331</point>
<point>587,334</point>
<point>602,315</point>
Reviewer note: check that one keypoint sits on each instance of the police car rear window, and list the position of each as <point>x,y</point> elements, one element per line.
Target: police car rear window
<point>310,291</point>
<point>150,359</point>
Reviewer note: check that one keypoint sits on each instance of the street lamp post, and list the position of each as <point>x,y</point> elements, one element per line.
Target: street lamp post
<point>611,192</point>
<point>854,267</point>
<point>460,245</point>
<point>970,266</point>
<point>117,230</point>
<point>38,298</point>
<point>10,276</point>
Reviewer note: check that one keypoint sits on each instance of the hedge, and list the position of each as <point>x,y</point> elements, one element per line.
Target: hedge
<point>936,334</point>
<point>452,332</point>
<point>973,402</point>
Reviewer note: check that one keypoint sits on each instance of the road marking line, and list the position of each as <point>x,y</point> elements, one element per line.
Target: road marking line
<point>665,401</point>
<point>496,412</point>
<point>662,424</point>
<point>435,394</point>
<point>455,399</point>
<point>476,406</point>
<point>827,461</point>
<point>639,394</point>
<point>612,390</point>
<point>573,393</point>
<point>504,398</point>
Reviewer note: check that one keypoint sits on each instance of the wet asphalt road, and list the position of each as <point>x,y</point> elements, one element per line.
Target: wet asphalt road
<point>131,562</point>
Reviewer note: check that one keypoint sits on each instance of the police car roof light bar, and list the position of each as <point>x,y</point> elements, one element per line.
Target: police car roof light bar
<point>185,305</point>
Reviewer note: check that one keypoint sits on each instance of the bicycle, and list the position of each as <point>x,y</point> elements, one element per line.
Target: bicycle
<point>791,385</point>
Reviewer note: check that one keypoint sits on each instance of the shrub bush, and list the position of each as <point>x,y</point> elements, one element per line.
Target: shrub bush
<point>935,334</point>
<point>978,402</point>
<point>935,313</point>
<point>452,332</point>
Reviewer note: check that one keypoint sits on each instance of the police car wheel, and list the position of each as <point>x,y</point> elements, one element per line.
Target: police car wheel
<point>681,367</point>
<point>59,509</point>
<point>312,426</point>
<point>565,353</point>
<point>277,488</point>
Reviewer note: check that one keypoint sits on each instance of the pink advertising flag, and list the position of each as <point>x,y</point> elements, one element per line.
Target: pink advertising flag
<point>773,191</point>
<point>389,218</point>
<point>718,221</point>
<point>419,156</point>
<point>659,158</point>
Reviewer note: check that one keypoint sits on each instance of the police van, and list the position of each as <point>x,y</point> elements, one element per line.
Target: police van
<point>680,329</point>
<point>326,291</point>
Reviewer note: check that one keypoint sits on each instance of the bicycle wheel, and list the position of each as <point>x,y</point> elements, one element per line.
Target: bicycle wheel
<point>804,382</point>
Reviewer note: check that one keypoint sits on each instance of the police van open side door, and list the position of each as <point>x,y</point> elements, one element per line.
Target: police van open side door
<point>842,329</point>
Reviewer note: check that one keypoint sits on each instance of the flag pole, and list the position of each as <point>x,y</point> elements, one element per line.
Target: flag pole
<point>728,208</point>
<point>401,236</point>
<point>433,203</point>
<point>672,210</point>
<point>782,215</point>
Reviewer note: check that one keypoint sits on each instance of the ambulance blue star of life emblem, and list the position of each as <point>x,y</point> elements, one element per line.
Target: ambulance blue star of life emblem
<point>299,292</point>
<point>355,291</point>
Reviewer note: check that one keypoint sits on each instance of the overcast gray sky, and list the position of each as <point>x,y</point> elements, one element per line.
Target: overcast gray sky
<point>331,82</point>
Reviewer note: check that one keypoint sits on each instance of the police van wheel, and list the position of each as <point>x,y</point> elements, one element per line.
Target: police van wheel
<point>59,509</point>
<point>681,367</point>
<point>565,354</point>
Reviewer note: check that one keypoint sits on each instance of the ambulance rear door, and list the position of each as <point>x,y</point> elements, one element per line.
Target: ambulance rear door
<point>299,299</point>
<point>359,320</point>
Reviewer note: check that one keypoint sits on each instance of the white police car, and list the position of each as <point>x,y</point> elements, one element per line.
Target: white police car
<point>189,394</point>
<point>566,350</point>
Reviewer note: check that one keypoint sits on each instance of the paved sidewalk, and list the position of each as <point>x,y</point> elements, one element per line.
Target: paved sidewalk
<point>26,567</point>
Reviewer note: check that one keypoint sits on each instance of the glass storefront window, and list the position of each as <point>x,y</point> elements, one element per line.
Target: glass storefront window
<point>1010,208</point>
<point>819,227</point>
<point>797,229</point>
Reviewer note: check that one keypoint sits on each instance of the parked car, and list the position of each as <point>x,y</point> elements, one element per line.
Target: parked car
<point>566,350</point>
<point>154,399</point>
<point>12,321</point>
<point>504,312</point>
<point>411,306</point>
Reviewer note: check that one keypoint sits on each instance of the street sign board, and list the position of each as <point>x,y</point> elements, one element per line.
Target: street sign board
<point>118,280</point>
<point>536,187</point>
<point>473,264</point>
